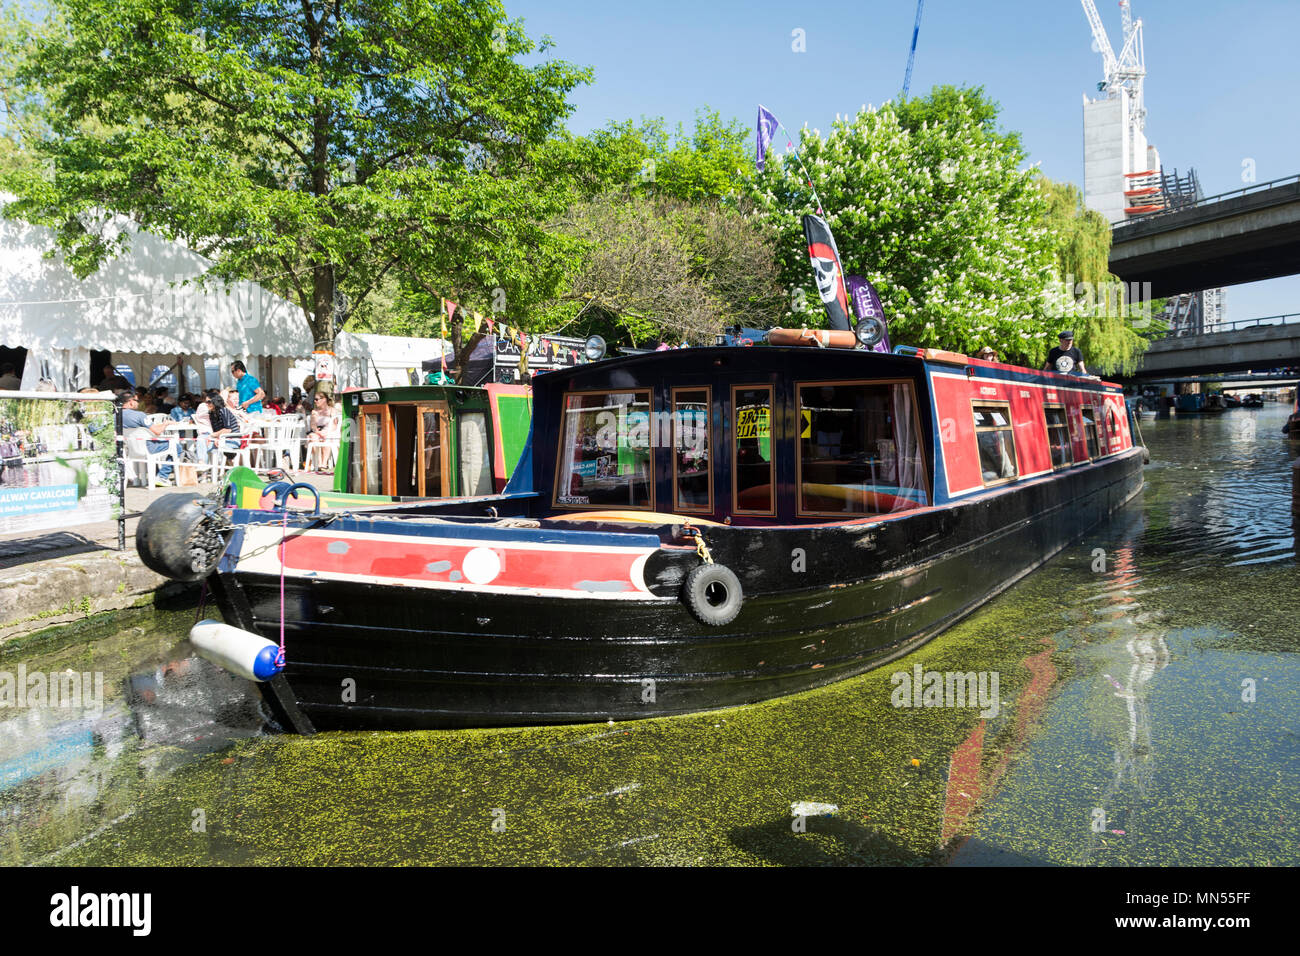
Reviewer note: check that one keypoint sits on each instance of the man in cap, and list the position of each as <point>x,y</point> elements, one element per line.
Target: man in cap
<point>1065,358</point>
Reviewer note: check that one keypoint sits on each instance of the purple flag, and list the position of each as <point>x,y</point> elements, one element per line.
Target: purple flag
<point>866,305</point>
<point>767,124</point>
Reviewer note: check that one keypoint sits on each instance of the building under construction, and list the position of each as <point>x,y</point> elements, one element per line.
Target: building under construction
<point>1122,175</point>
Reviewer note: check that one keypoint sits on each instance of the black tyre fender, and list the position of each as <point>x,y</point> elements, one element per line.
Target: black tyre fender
<point>181,537</point>
<point>712,593</point>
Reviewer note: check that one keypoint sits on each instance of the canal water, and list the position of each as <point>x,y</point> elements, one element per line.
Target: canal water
<point>1145,713</point>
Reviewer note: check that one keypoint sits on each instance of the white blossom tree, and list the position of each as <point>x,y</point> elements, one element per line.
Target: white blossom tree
<point>940,217</point>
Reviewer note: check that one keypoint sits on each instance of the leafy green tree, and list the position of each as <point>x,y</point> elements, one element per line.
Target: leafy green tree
<point>661,268</point>
<point>319,147</point>
<point>1086,296</point>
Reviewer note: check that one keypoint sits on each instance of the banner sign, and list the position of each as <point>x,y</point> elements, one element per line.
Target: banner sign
<point>866,305</point>
<point>544,353</point>
<point>58,466</point>
<point>828,271</point>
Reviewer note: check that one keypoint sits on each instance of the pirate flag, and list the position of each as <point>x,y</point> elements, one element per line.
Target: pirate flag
<point>826,267</point>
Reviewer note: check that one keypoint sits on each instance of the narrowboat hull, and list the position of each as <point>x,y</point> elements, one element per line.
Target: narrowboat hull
<point>823,603</point>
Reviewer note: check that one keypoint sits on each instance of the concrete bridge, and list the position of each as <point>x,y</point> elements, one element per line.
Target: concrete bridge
<point>1261,344</point>
<point>1235,237</point>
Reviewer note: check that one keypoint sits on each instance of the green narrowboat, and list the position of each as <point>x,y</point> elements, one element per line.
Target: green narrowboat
<point>402,443</point>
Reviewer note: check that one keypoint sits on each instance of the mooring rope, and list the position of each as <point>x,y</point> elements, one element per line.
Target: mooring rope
<point>203,601</point>
<point>284,537</point>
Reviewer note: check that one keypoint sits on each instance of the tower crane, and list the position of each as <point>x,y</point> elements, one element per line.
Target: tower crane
<point>1127,71</point>
<point>916,29</point>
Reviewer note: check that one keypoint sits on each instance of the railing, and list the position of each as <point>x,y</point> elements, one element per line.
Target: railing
<point>1258,187</point>
<point>1287,319</point>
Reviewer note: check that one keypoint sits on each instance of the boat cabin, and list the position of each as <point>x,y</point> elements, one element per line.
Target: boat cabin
<point>431,441</point>
<point>796,435</point>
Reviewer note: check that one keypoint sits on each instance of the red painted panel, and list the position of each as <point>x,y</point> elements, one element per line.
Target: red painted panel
<point>957,432</point>
<point>1031,432</point>
<point>497,565</point>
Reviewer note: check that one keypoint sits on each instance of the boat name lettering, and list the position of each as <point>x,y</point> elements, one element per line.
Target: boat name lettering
<point>986,390</point>
<point>574,500</point>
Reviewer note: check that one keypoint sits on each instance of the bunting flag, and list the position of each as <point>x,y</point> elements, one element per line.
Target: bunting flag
<point>828,271</point>
<point>866,305</point>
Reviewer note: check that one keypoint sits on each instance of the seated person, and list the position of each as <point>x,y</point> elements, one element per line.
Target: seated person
<point>184,410</point>
<point>323,426</point>
<point>9,380</point>
<point>224,433</point>
<point>132,417</point>
<point>112,381</point>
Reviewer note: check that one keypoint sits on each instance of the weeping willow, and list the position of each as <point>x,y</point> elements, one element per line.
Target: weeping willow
<point>1088,298</point>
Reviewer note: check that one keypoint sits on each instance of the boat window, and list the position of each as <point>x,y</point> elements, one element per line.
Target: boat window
<point>1090,430</point>
<point>997,444</point>
<point>1058,435</point>
<point>859,449</point>
<point>752,408</point>
<point>475,454</point>
<point>692,484</point>
<point>604,454</point>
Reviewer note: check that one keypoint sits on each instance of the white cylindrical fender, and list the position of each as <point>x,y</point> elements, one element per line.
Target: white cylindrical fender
<point>236,650</point>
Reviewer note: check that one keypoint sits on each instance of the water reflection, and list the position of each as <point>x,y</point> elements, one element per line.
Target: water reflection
<point>1123,736</point>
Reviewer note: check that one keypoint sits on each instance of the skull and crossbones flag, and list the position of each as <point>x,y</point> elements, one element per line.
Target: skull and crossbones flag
<point>828,271</point>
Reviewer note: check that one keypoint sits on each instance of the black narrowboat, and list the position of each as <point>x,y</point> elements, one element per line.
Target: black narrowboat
<point>686,530</point>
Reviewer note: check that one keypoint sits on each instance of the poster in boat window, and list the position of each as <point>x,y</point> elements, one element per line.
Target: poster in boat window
<point>57,463</point>
<point>605,450</point>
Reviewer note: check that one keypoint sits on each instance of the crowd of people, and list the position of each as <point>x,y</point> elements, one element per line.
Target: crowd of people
<point>223,417</point>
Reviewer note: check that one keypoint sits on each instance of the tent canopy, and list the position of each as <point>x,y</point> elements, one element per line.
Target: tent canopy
<point>142,301</point>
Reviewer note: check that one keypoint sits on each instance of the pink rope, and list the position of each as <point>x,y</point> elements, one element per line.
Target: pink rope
<point>284,535</point>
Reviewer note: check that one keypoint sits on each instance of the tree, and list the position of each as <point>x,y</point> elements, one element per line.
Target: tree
<point>1088,297</point>
<point>318,147</point>
<point>939,217</point>
<point>657,268</point>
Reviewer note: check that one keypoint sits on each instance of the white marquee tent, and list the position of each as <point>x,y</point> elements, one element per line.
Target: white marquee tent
<point>145,308</point>
<point>370,361</point>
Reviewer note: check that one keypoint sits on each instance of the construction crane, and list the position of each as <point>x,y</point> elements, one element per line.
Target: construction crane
<point>916,29</point>
<point>1126,71</point>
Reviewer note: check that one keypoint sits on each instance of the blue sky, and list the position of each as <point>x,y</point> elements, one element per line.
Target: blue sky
<point>1223,79</point>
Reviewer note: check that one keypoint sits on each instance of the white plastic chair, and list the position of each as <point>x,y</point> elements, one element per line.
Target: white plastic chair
<point>140,458</point>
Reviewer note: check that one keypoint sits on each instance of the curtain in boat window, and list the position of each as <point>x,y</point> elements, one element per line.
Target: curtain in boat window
<point>859,449</point>
<point>475,465</point>
<point>604,456</point>
<point>911,464</point>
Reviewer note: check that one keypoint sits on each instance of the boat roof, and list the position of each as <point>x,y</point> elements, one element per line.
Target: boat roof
<point>801,361</point>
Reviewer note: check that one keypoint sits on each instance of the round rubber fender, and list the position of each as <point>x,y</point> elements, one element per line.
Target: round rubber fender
<point>181,537</point>
<point>712,593</point>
